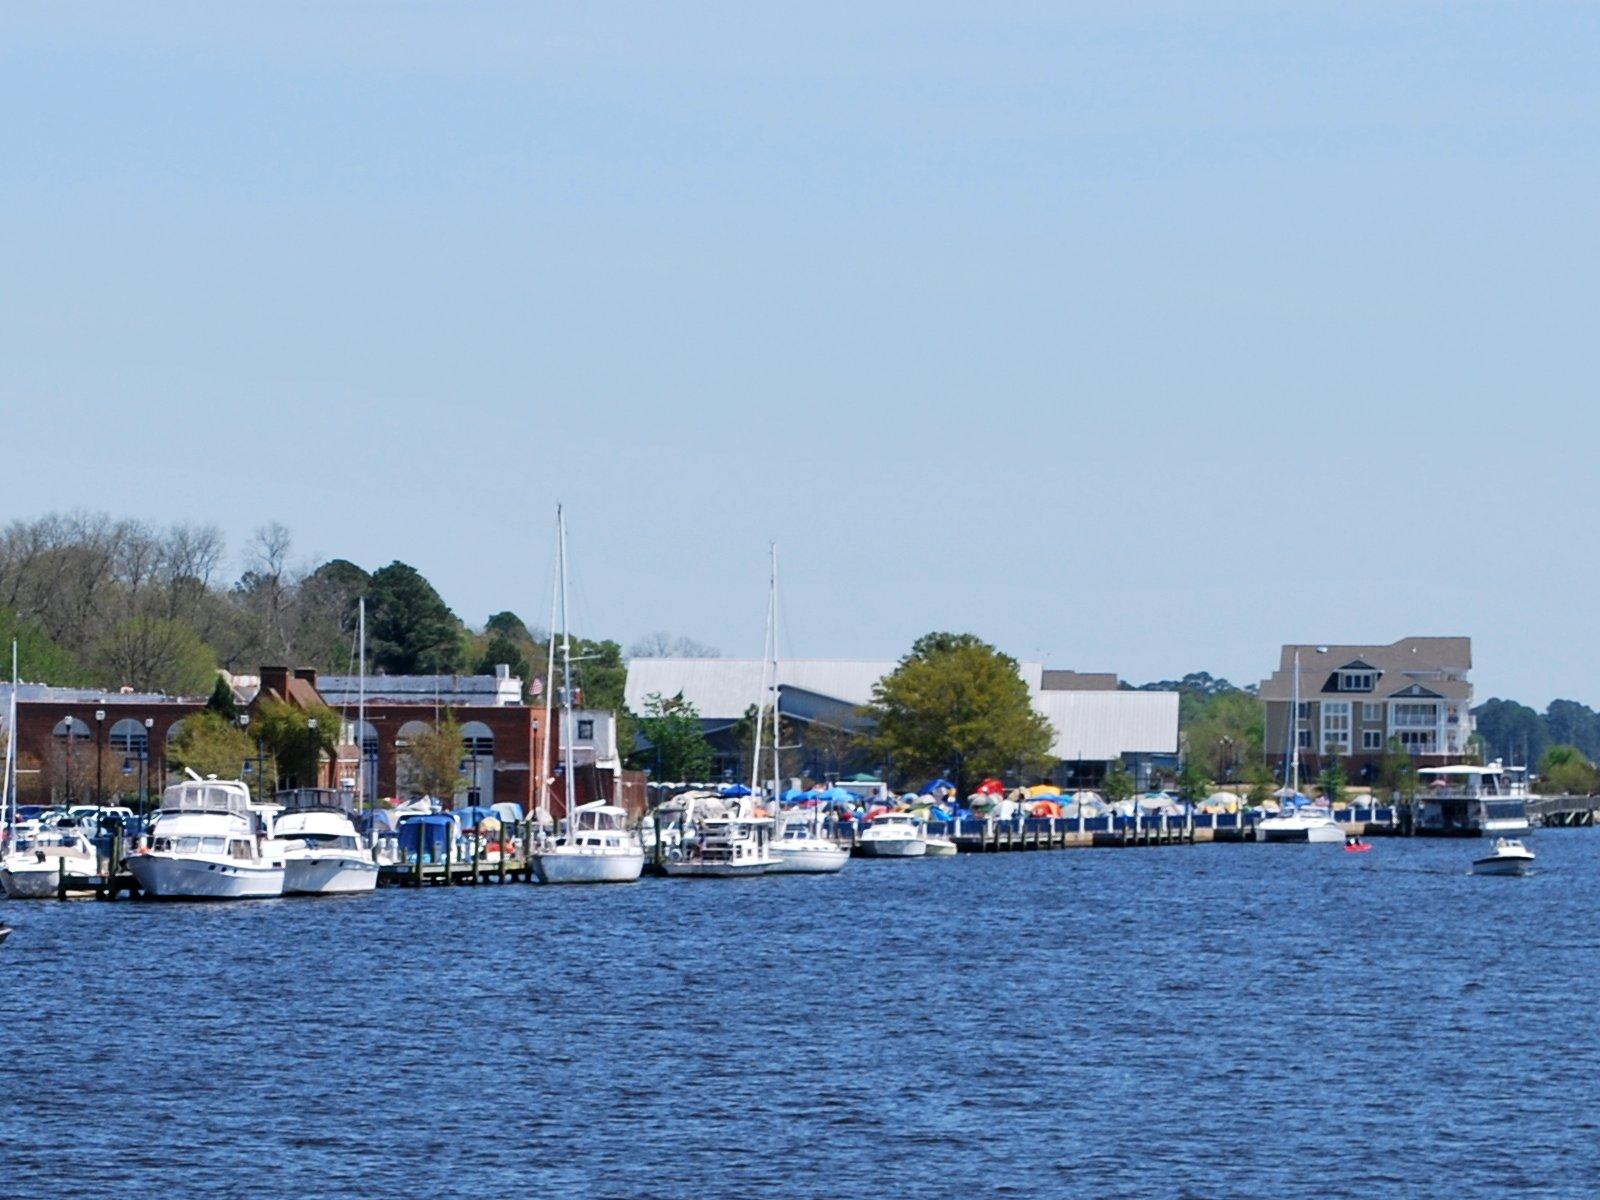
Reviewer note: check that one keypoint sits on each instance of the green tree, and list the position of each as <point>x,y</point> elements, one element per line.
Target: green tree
<point>222,702</point>
<point>957,705</point>
<point>297,749</point>
<point>410,629</point>
<point>1260,783</point>
<point>207,743</point>
<point>1194,785</point>
<point>1332,781</point>
<point>432,760</point>
<point>677,748</point>
<point>1565,771</point>
<point>151,654</point>
<point>1397,774</point>
<point>1118,785</point>
<point>1224,731</point>
<point>39,659</point>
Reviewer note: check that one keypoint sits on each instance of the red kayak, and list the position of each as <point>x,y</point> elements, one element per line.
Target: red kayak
<point>1357,847</point>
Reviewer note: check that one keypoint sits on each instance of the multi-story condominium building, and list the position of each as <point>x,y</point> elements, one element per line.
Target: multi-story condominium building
<point>1355,700</point>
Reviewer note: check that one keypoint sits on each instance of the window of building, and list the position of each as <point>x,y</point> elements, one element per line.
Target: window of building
<point>1305,739</point>
<point>1372,739</point>
<point>1357,681</point>
<point>1304,710</point>
<point>1371,711</point>
<point>1417,741</point>
<point>1336,727</point>
<point>586,730</point>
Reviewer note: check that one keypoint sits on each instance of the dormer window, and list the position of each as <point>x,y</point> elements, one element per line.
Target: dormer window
<point>1357,681</point>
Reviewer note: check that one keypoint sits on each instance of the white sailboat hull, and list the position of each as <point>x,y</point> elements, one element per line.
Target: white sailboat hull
<point>896,847</point>
<point>1297,831</point>
<point>558,866</point>
<point>171,877</point>
<point>328,875</point>
<point>818,859</point>
<point>39,881</point>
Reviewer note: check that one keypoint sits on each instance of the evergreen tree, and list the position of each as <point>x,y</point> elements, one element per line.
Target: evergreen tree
<point>410,629</point>
<point>677,748</point>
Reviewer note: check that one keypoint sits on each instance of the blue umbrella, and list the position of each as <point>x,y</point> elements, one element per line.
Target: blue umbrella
<point>734,789</point>
<point>934,785</point>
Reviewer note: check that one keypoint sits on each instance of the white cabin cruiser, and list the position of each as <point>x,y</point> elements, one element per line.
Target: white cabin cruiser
<point>1306,825</point>
<point>204,844</point>
<point>726,848</point>
<point>894,835</point>
<point>323,854</point>
<point>938,845</point>
<point>802,849</point>
<point>598,848</point>
<point>35,863</point>
<point>1510,857</point>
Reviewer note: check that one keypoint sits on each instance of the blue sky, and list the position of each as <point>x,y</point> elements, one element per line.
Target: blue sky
<point>1133,337</point>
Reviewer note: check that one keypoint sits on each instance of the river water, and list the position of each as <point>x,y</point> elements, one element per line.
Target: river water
<point>1175,1022</point>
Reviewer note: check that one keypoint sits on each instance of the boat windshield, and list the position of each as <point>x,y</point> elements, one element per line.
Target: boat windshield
<point>210,796</point>
<point>190,845</point>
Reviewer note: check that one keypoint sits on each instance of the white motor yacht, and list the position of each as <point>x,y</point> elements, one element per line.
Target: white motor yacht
<point>726,848</point>
<point>803,849</point>
<point>598,848</point>
<point>1313,825</point>
<point>894,835</point>
<point>322,852</point>
<point>204,844</point>
<point>33,866</point>
<point>1510,857</point>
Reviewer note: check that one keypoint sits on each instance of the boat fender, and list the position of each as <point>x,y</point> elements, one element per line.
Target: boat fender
<point>675,855</point>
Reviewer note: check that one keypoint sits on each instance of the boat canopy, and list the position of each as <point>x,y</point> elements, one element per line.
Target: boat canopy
<point>429,833</point>
<point>1461,771</point>
<point>508,812</point>
<point>208,795</point>
<point>937,785</point>
<point>474,815</point>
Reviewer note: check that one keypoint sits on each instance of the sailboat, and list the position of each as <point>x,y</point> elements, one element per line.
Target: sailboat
<point>38,858</point>
<point>801,848</point>
<point>1299,825</point>
<point>323,853</point>
<point>740,843</point>
<point>598,846</point>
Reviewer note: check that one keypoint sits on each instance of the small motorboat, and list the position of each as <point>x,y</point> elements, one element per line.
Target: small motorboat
<point>1354,845</point>
<point>5,932</point>
<point>939,846</point>
<point>1510,857</point>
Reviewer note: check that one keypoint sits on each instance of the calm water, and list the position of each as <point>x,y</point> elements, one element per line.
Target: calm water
<point>1187,1022</point>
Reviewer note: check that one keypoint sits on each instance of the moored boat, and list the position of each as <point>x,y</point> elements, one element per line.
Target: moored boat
<point>205,844</point>
<point>802,849</point>
<point>39,859</point>
<point>598,848</point>
<point>322,852</point>
<point>726,848</point>
<point>894,835</point>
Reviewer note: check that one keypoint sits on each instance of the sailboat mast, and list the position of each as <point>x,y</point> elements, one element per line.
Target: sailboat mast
<point>550,671</point>
<point>8,786</point>
<point>1294,730</point>
<point>361,706</point>
<point>761,701</point>
<point>772,644</point>
<point>566,678</point>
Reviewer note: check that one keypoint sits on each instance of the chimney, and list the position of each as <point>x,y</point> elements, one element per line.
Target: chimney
<point>306,675</point>
<point>275,679</point>
<point>502,670</point>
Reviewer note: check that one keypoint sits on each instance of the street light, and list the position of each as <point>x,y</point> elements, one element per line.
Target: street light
<point>99,757</point>
<point>144,766</point>
<point>311,724</point>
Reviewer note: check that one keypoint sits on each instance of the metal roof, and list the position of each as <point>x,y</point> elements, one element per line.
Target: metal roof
<point>1100,726</point>
<point>1091,725</point>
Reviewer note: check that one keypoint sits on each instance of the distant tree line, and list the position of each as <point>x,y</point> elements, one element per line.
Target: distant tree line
<point>96,601</point>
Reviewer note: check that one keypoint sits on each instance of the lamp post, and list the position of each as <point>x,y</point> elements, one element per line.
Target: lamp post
<point>99,757</point>
<point>72,756</point>
<point>316,752</point>
<point>244,725</point>
<point>144,766</point>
